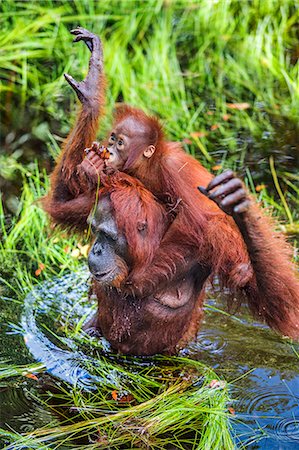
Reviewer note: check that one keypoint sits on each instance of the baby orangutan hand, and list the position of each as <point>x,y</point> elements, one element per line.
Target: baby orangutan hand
<point>92,165</point>
<point>228,192</point>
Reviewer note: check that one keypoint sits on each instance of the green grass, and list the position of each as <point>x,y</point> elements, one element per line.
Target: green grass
<point>185,61</point>
<point>29,242</point>
<point>169,405</point>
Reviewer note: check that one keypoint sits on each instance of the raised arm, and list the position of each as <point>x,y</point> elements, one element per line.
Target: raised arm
<point>70,196</point>
<point>90,92</point>
<point>273,291</point>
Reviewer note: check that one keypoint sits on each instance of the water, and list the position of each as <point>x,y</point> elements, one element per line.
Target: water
<point>264,371</point>
<point>263,368</point>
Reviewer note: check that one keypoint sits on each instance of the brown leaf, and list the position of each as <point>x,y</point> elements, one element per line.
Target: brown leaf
<point>31,376</point>
<point>238,106</point>
<point>198,134</point>
<point>38,272</point>
<point>232,411</point>
<point>214,127</point>
<point>226,117</point>
<point>217,167</point>
<point>126,398</point>
<point>260,187</point>
<point>114,395</point>
<point>187,141</point>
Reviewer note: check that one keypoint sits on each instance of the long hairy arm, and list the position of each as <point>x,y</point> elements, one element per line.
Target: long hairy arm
<point>70,198</point>
<point>272,290</point>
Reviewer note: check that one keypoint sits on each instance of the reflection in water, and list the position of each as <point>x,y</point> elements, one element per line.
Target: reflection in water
<point>264,372</point>
<point>20,410</point>
<point>262,367</point>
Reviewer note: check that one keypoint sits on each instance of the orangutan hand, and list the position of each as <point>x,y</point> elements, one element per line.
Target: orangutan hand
<point>229,192</point>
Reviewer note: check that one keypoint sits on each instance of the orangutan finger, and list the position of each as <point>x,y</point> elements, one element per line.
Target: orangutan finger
<point>94,157</point>
<point>227,188</point>
<point>99,164</point>
<point>203,190</point>
<point>232,199</point>
<point>242,207</point>
<point>219,179</point>
<point>76,30</point>
<point>77,86</point>
<point>71,81</point>
<point>95,146</point>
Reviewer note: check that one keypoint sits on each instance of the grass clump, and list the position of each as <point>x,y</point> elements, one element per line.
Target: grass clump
<point>160,403</point>
<point>29,244</point>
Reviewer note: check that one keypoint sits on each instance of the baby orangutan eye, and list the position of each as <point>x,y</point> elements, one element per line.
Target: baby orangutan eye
<point>112,139</point>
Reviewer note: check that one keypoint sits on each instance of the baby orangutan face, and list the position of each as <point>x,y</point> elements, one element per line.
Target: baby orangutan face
<point>129,135</point>
<point>128,143</point>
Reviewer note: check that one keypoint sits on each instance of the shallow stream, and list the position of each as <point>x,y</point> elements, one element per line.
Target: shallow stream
<point>263,368</point>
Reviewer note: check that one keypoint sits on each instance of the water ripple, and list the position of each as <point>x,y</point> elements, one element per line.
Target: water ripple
<point>272,410</point>
<point>287,429</point>
<point>208,341</point>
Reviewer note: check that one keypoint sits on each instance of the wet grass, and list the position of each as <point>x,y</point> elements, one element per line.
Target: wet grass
<point>171,406</point>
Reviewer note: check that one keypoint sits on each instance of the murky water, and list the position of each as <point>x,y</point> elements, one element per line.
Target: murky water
<point>263,369</point>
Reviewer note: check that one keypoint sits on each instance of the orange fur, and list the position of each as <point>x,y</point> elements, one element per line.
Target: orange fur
<point>257,262</point>
<point>188,234</point>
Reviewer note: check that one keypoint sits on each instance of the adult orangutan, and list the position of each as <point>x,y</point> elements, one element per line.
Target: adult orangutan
<point>128,225</point>
<point>234,242</point>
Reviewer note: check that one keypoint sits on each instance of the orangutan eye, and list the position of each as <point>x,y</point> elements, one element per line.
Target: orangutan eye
<point>112,139</point>
<point>120,143</point>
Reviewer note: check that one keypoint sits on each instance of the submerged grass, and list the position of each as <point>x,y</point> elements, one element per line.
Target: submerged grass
<point>172,407</point>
